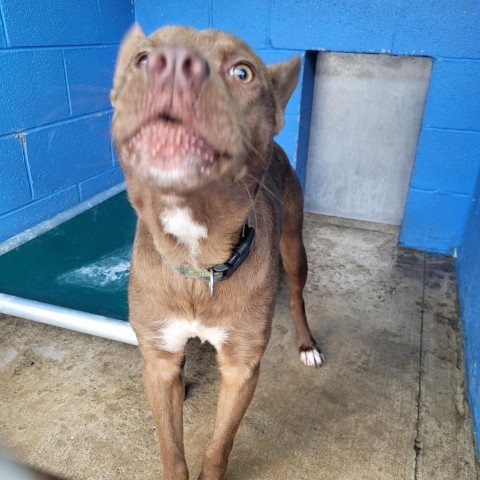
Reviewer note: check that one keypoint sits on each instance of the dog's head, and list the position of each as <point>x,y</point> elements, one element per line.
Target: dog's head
<point>193,107</point>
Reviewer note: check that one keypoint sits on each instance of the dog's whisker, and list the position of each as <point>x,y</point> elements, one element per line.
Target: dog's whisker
<point>255,150</point>
<point>249,146</point>
<point>252,201</point>
<point>276,197</point>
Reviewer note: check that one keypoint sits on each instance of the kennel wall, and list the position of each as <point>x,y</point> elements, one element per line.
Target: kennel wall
<point>56,67</point>
<point>56,63</point>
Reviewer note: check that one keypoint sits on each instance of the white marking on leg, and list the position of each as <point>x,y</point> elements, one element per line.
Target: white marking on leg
<point>175,333</point>
<point>180,223</point>
<point>312,357</point>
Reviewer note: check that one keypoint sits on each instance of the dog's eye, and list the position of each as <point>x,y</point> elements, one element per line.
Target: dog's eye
<point>241,72</point>
<point>141,60</point>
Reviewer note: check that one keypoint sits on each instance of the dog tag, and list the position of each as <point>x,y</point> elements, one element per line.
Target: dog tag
<point>211,283</point>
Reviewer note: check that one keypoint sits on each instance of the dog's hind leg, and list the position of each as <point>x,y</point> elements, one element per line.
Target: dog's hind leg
<point>294,259</point>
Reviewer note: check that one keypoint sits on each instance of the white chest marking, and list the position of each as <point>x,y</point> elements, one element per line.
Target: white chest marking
<point>179,223</point>
<point>175,334</point>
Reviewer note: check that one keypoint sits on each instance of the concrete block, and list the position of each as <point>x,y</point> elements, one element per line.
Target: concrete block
<point>232,17</point>
<point>468,268</point>
<point>33,90</point>
<point>434,221</point>
<point>469,253</point>
<point>116,16</point>
<point>43,22</point>
<point>338,25</point>
<point>14,185</point>
<point>434,28</point>
<point>101,182</point>
<point>447,161</point>
<point>453,100</point>
<point>152,14</point>
<point>66,154</point>
<point>34,213</point>
<point>89,75</point>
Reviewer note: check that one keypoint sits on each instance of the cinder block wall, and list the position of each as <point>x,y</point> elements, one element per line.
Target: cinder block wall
<point>468,266</point>
<point>56,67</point>
<point>447,161</point>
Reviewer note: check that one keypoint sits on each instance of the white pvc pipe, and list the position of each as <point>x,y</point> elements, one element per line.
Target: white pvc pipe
<point>68,318</point>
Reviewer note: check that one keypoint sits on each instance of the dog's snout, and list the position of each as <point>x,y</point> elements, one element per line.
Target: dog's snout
<point>182,67</point>
<point>192,67</point>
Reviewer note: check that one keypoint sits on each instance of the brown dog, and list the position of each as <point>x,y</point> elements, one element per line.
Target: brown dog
<point>195,115</point>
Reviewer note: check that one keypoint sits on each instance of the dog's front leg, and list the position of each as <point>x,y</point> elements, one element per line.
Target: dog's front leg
<point>165,392</point>
<point>239,380</point>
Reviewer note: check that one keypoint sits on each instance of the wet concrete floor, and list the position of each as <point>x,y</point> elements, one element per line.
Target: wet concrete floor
<point>388,404</point>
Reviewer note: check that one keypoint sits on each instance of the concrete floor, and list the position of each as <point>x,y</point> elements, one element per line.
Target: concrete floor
<point>388,404</point>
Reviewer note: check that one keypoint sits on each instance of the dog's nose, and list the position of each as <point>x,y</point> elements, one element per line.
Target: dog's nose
<point>181,66</point>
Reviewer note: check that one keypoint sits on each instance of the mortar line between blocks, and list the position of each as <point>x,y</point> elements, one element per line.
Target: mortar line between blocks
<point>112,149</point>
<point>79,191</point>
<point>4,25</point>
<point>451,130</point>
<point>395,24</point>
<point>65,73</point>
<point>99,19</point>
<point>269,20</point>
<point>15,49</point>
<point>23,144</point>
<point>210,14</point>
<point>417,444</point>
<point>67,121</point>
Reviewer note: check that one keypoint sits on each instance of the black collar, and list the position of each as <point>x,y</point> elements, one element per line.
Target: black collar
<point>239,254</point>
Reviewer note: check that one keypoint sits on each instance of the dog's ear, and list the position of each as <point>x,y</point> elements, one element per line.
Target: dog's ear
<point>133,38</point>
<point>284,78</point>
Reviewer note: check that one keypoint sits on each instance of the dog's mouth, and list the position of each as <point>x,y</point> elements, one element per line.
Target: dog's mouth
<point>167,146</point>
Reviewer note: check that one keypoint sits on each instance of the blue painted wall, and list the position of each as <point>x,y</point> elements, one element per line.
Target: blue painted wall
<point>56,67</point>
<point>468,267</point>
<point>449,32</point>
<point>58,59</point>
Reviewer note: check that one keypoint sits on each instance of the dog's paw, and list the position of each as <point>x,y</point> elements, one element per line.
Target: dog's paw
<point>312,357</point>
